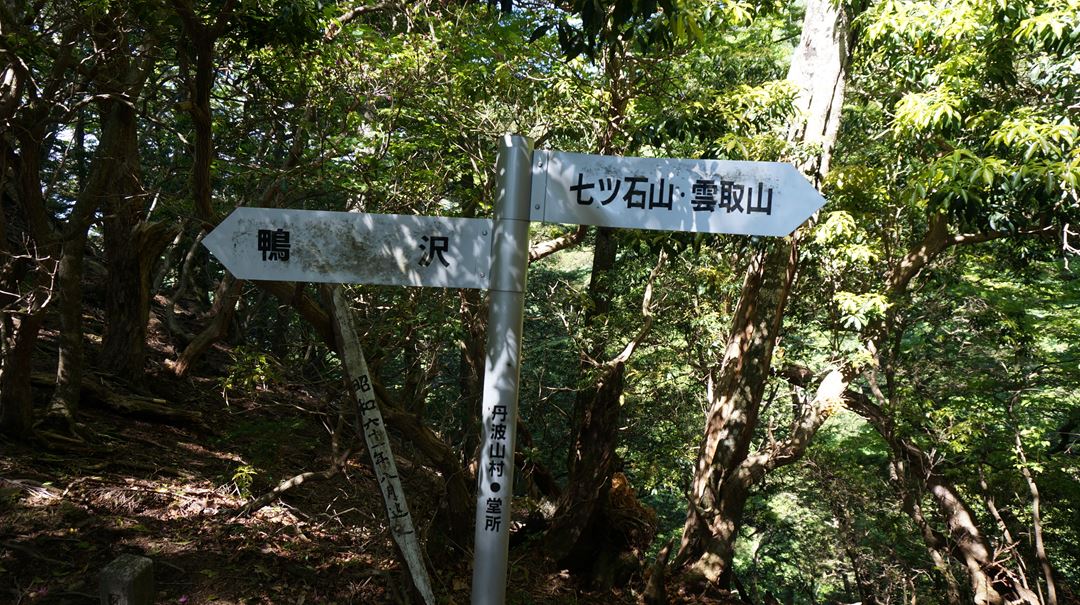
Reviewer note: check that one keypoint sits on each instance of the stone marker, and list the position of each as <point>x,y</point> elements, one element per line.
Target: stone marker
<point>128,580</point>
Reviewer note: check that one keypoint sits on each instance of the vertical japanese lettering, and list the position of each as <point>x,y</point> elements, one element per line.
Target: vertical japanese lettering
<point>493,514</point>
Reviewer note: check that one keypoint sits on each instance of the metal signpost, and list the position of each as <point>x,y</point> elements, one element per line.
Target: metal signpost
<point>711,196</point>
<point>502,368</point>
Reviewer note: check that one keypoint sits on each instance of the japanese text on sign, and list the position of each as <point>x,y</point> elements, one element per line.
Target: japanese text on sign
<point>709,196</point>
<point>433,248</point>
<point>370,425</point>
<point>498,459</point>
<point>354,247</point>
<point>274,244</point>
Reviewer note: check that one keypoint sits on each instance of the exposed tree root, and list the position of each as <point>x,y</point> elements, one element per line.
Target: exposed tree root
<point>92,391</point>
<point>655,587</point>
<point>265,499</point>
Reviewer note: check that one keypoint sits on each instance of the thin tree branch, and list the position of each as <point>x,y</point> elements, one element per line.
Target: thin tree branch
<point>551,246</point>
<point>646,313</point>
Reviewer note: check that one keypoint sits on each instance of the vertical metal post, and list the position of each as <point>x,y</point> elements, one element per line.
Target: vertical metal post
<point>502,367</point>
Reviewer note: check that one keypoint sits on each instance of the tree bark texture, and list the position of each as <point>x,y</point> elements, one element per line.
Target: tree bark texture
<point>203,39</point>
<point>69,365</point>
<point>16,396</point>
<point>221,315</point>
<point>819,72</point>
<point>583,523</point>
<point>725,470</point>
<point>590,468</point>
<point>1006,533</point>
<point>936,543</point>
<point>69,276</point>
<point>991,582</point>
<point>131,244</point>
<point>599,529</point>
<point>579,518</point>
<point>1036,522</point>
<point>708,534</point>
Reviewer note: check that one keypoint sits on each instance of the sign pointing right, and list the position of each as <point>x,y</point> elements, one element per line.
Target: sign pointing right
<point>710,196</point>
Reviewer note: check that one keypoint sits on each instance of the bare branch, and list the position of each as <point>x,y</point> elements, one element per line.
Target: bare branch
<point>646,313</point>
<point>335,26</point>
<point>551,246</point>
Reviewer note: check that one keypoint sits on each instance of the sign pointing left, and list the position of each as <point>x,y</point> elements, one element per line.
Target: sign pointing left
<point>354,247</point>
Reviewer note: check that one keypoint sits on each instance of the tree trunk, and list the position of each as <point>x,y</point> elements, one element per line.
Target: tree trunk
<point>580,518</point>
<point>577,534</point>
<point>972,547</point>
<point>69,366</point>
<point>16,396</point>
<point>724,473</point>
<point>991,507</point>
<point>991,582</point>
<point>599,528</point>
<point>70,360</point>
<point>203,39</point>
<point>132,248</point>
<point>709,532</point>
<point>473,311</point>
<point>221,314</point>
<point>1036,521</point>
<point>936,544</point>
<point>131,245</point>
<point>819,72</point>
<point>21,301</point>
<point>580,507</point>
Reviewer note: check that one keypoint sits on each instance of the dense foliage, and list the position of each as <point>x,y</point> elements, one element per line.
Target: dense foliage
<point>941,279</point>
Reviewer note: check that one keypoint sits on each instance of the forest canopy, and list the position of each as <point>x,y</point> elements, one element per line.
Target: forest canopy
<point>883,406</point>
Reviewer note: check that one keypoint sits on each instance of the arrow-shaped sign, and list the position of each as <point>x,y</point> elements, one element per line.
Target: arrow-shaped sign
<point>353,247</point>
<point>712,196</point>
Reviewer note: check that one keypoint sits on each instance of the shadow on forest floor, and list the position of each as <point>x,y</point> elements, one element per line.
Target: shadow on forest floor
<point>171,492</point>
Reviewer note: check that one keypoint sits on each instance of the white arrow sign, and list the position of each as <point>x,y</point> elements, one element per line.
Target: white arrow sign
<point>712,196</point>
<point>353,247</point>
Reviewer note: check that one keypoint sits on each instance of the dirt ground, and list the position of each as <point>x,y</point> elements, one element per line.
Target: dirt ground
<point>173,489</point>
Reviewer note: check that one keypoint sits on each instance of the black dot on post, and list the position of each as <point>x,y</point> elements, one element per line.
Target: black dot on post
<point>495,487</point>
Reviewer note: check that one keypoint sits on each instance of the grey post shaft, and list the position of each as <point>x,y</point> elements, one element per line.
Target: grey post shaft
<point>502,368</point>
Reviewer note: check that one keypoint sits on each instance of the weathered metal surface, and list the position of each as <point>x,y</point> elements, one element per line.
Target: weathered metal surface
<point>712,196</point>
<point>353,247</point>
